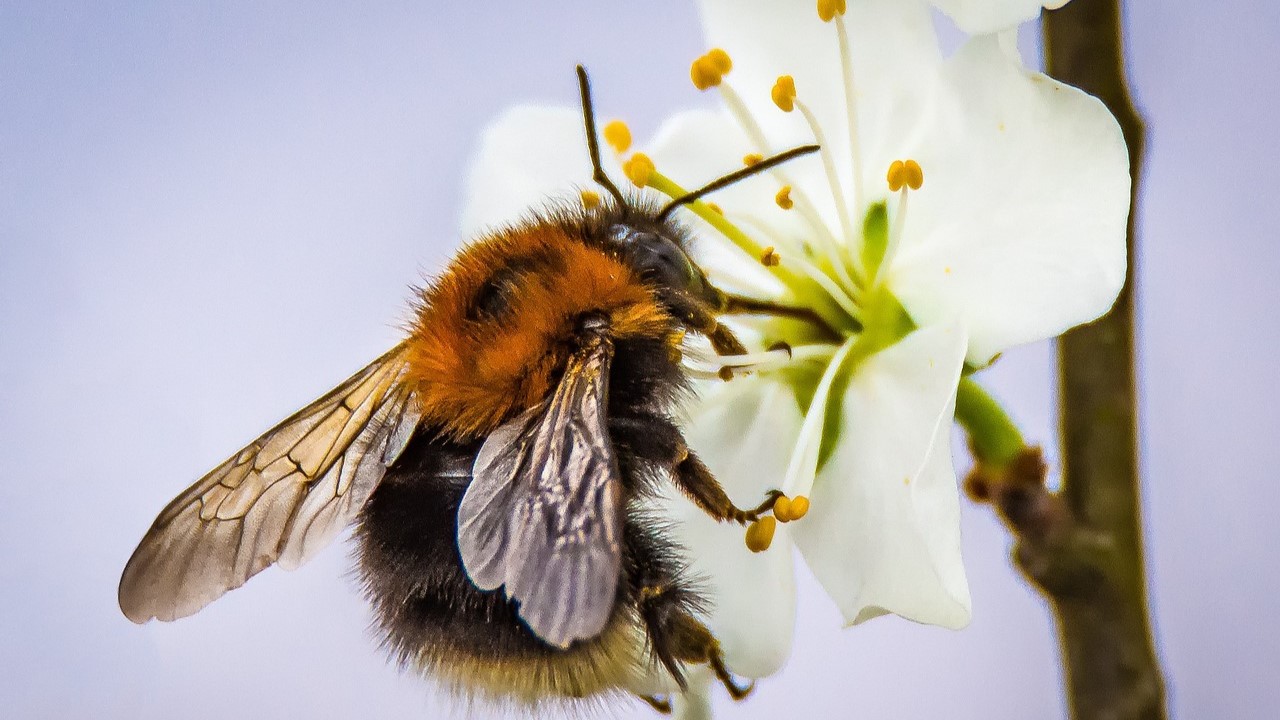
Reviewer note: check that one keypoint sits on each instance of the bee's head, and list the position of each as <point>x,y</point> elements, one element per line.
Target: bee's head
<point>663,263</point>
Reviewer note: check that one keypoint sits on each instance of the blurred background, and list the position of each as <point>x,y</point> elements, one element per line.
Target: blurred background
<point>210,215</point>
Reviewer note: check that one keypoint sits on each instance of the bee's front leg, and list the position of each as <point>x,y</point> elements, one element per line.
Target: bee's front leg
<point>657,440</point>
<point>693,478</point>
<point>701,318</point>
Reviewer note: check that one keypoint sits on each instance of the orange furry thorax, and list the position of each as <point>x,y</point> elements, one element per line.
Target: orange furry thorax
<point>471,370</point>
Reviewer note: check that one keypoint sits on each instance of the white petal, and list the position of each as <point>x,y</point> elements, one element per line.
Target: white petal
<point>895,57</point>
<point>743,432</point>
<point>978,17</point>
<point>694,703</point>
<point>883,531</point>
<point>1020,225</point>
<point>526,157</point>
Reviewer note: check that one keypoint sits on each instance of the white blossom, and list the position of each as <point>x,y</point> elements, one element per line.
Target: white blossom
<point>1015,234</point>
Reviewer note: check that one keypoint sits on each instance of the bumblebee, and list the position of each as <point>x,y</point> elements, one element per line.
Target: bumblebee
<point>491,464</point>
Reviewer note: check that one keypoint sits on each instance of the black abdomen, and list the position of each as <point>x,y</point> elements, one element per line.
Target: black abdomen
<point>411,568</point>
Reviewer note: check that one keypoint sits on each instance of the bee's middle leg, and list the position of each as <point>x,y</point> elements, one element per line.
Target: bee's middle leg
<point>658,441</point>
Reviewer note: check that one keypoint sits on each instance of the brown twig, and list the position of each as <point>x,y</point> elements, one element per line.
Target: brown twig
<point>1082,546</point>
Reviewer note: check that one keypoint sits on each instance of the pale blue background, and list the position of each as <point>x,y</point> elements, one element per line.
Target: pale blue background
<point>208,216</point>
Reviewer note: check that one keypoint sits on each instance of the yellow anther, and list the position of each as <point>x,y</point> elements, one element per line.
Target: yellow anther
<point>799,508</point>
<point>789,509</point>
<point>784,93</point>
<point>618,135</point>
<point>770,257</point>
<point>828,9</point>
<point>720,60</point>
<point>752,159</point>
<point>725,373</point>
<point>782,508</point>
<point>704,74</point>
<point>715,208</point>
<point>904,172</point>
<point>896,175</point>
<point>590,200</point>
<point>760,534</point>
<point>638,169</point>
<point>707,71</point>
<point>783,198</point>
<point>915,176</point>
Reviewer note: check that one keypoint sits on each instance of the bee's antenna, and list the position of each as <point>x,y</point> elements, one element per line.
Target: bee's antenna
<point>733,177</point>
<point>593,143</point>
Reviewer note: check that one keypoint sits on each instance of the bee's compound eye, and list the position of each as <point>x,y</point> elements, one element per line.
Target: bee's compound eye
<point>657,258</point>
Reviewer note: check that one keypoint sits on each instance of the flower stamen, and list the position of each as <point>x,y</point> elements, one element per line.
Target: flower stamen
<point>709,70</point>
<point>618,135</point>
<point>833,180</point>
<point>829,9</point>
<point>639,169</point>
<point>770,257</point>
<point>903,176</point>
<point>851,111</point>
<point>803,466</point>
<point>842,296</point>
<point>590,199</point>
<point>904,172</point>
<point>698,364</point>
<point>738,110</point>
<point>783,198</point>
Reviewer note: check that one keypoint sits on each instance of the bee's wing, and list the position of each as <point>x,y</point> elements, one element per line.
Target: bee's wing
<point>279,500</point>
<point>542,515</point>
